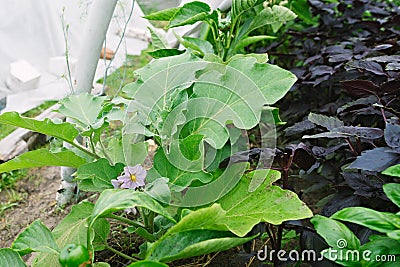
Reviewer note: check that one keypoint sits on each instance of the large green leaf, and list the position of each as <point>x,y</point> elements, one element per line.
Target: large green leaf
<point>199,232</point>
<point>163,167</point>
<point>392,191</point>
<point>190,13</point>
<point>273,81</point>
<point>73,230</point>
<point>333,232</point>
<point>10,258</point>
<point>36,237</point>
<point>43,157</point>
<point>393,171</point>
<point>83,108</point>
<point>96,176</point>
<point>383,222</point>
<point>65,131</point>
<point>381,248</point>
<point>194,243</point>
<point>111,200</point>
<point>268,203</point>
<point>147,264</point>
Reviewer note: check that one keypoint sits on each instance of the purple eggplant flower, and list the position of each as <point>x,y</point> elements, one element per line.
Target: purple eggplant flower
<point>133,177</point>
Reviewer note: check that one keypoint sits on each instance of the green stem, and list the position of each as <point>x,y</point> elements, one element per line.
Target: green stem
<point>83,149</point>
<point>125,220</point>
<point>103,149</point>
<point>123,255</point>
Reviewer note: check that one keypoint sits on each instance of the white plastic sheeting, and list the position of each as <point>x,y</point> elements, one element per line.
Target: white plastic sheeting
<point>33,31</point>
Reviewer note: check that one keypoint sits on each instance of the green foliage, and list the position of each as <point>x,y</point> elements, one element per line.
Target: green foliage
<point>268,203</point>
<point>342,239</point>
<point>35,238</point>
<point>197,233</point>
<point>230,33</point>
<point>43,157</point>
<point>10,258</point>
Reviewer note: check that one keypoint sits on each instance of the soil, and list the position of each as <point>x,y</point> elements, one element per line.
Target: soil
<point>35,199</point>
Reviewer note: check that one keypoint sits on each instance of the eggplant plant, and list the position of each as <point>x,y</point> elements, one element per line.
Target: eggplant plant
<point>197,108</point>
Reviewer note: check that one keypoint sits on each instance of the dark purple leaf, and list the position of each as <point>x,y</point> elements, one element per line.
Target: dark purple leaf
<point>357,104</point>
<point>321,79</point>
<point>311,59</point>
<point>360,88</point>
<point>340,57</point>
<point>340,201</point>
<point>303,156</point>
<point>364,186</point>
<point>377,159</point>
<point>325,151</point>
<point>299,127</point>
<point>383,47</point>
<point>368,66</point>
<point>321,70</point>
<point>362,132</point>
<point>349,131</point>
<point>392,135</point>
<point>395,66</point>
<point>385,59</point>
<point>336,49</point>
<point>390,87</point>
<point>325,121</point>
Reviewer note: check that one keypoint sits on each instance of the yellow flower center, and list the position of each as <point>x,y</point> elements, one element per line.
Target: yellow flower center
<point>133,178</point>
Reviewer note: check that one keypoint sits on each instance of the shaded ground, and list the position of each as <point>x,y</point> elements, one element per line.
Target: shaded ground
<point>33,198</point>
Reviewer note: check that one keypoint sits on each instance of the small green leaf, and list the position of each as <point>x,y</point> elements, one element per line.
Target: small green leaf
<point>147,264</point>
<point>201,46</point>
<point>160,53</point>
<point>43,157</point>
<point>392,191</point>
<point>252,39</point>
<point>157,41</point>
<point>111,200</point>
<point>302,9</point>
<point>190,13</point>
<point>164,15</point>
<point>10,258</point>
<point>99,173</point>
<point>393,171</point>
<point>64,131</point>
<point>83,108</point>
<point>241,6</point>
<point>268,16</point>
<point>383,222</point>
<point>336,234</point>
<point>36,237</point>
<point>268,203</point>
